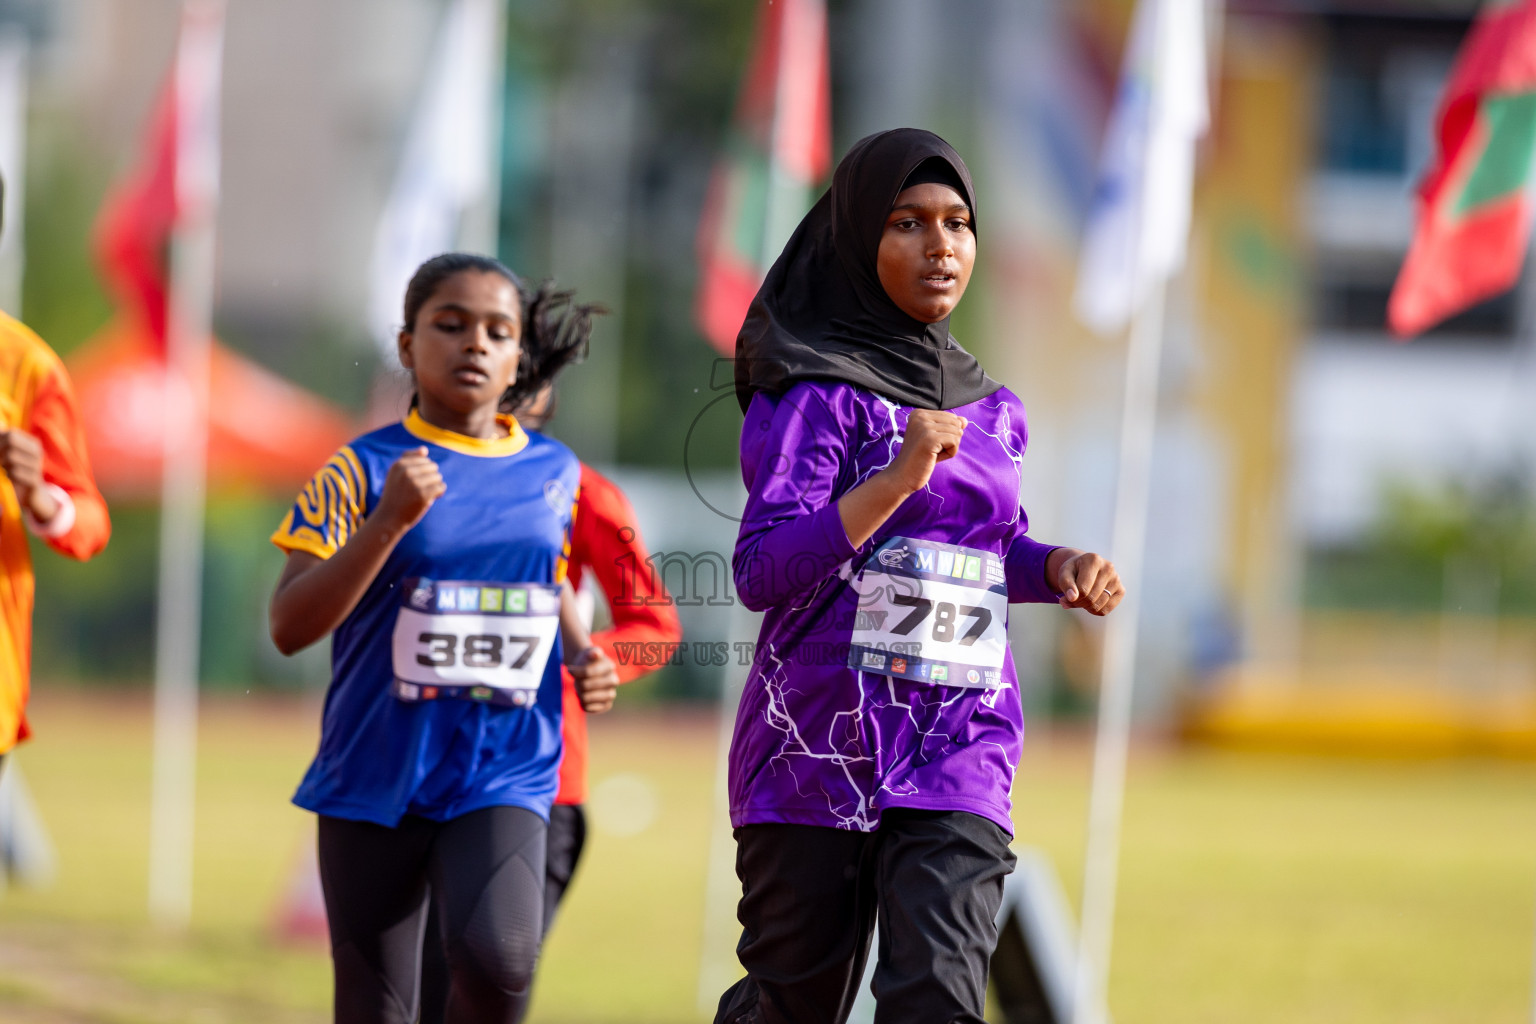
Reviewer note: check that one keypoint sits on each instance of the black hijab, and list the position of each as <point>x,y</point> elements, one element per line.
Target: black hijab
<point>821,313</point>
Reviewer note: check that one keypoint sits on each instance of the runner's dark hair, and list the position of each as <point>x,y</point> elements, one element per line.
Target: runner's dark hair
<point>556,329</point>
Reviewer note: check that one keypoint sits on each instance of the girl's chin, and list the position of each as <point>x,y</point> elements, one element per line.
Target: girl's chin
<point>932,314</point>
<point>464,401</point>
<point>469,389</point>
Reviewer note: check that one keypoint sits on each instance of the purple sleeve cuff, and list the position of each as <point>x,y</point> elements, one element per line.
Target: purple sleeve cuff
<point>1025,567</point>
<point>790,557</point>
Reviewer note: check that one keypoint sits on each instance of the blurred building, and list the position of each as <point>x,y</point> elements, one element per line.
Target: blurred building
<point>1366,409</point>
<point>1288,417</point>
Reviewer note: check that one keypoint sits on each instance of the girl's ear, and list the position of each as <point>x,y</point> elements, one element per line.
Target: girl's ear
<point>403,346</point>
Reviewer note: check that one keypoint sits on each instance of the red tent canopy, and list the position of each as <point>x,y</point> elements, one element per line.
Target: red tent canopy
<point>264,433</point>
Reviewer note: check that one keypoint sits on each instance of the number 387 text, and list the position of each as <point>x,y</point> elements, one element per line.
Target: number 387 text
<point>478,650</point>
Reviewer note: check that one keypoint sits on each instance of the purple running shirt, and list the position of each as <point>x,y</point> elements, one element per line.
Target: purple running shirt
<point>817,742</point>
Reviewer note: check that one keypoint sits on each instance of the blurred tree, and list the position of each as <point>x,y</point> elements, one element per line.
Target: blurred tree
<point>691,54</point>
<point>62,296</point>
<point>1424,535</point>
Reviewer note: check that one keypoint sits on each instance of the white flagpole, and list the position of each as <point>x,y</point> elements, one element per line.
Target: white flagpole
<point>480,230</point>
<point>1533,996</point>
<point>13,162</point>
<point>717,966</point>
<point>1162,112</point>
<point>183,485</point>
<point>446,191</point>
<point>802,39</point>
<point>1128,544</point>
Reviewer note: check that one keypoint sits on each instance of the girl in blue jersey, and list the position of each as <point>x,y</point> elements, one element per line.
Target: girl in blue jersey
<point>434,551</point>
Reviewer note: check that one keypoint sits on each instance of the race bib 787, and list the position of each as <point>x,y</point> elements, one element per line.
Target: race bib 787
<point>931,613</point>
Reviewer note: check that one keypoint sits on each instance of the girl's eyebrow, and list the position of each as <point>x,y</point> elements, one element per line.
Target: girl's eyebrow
<point>454,307</point>
<point>917,208</point>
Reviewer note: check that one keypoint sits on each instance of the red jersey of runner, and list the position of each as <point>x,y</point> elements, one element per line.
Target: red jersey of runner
<point>606,542</point>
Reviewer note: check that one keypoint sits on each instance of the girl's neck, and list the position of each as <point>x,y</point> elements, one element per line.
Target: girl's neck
<point>481,422</point>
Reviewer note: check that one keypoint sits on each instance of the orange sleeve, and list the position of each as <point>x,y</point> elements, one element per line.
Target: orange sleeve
<point>55,421</point>
<point>607,542</point>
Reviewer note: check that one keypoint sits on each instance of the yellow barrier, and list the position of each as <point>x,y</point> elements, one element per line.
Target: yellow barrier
<point>1381,684</point>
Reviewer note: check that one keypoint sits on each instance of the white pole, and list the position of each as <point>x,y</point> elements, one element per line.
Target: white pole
<point>481,228</point>
<point>717,968</point>
<point>1533,997</point>
<point>717,964</point>
<point>1128,545</point>
<point>13,163</point>
<point>800,38</point>
<point>183,484</point>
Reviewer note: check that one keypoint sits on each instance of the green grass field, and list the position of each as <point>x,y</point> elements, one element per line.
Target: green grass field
<point>1254,888</point>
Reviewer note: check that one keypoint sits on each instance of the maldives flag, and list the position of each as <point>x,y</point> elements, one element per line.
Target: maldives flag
<point>780,148</point>
<point>133,229</point>
<point>1474,213</point>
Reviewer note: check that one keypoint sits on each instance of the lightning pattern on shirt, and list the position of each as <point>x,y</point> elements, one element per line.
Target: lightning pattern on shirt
<point>819,742</point>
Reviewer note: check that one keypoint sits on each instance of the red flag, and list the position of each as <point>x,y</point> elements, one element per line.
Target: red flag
<point>133,230</point>
<point>1474,214</point>
<point>261,431</point>
<point>780,147</point>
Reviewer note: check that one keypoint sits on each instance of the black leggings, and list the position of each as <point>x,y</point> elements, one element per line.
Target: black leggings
<point>486,870</point>
<point>567,838</point>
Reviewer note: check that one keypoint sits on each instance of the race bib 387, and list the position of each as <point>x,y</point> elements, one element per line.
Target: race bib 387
<point>474,640</point>
<point>931,613</point>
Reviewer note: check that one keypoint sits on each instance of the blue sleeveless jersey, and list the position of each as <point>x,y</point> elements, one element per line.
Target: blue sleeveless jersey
<point>505,518</point>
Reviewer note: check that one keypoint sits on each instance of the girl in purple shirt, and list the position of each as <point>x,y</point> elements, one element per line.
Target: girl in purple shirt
<point>880,726</point>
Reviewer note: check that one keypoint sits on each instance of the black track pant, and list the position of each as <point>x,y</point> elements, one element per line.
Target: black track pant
<point>567,837</point>
<point>487,870</point>
<point>809,901</point>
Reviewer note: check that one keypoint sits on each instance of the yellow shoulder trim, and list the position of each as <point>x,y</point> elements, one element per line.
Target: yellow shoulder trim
<point>485,447</point>
<point>305,540</point>
<point>328,510</point>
